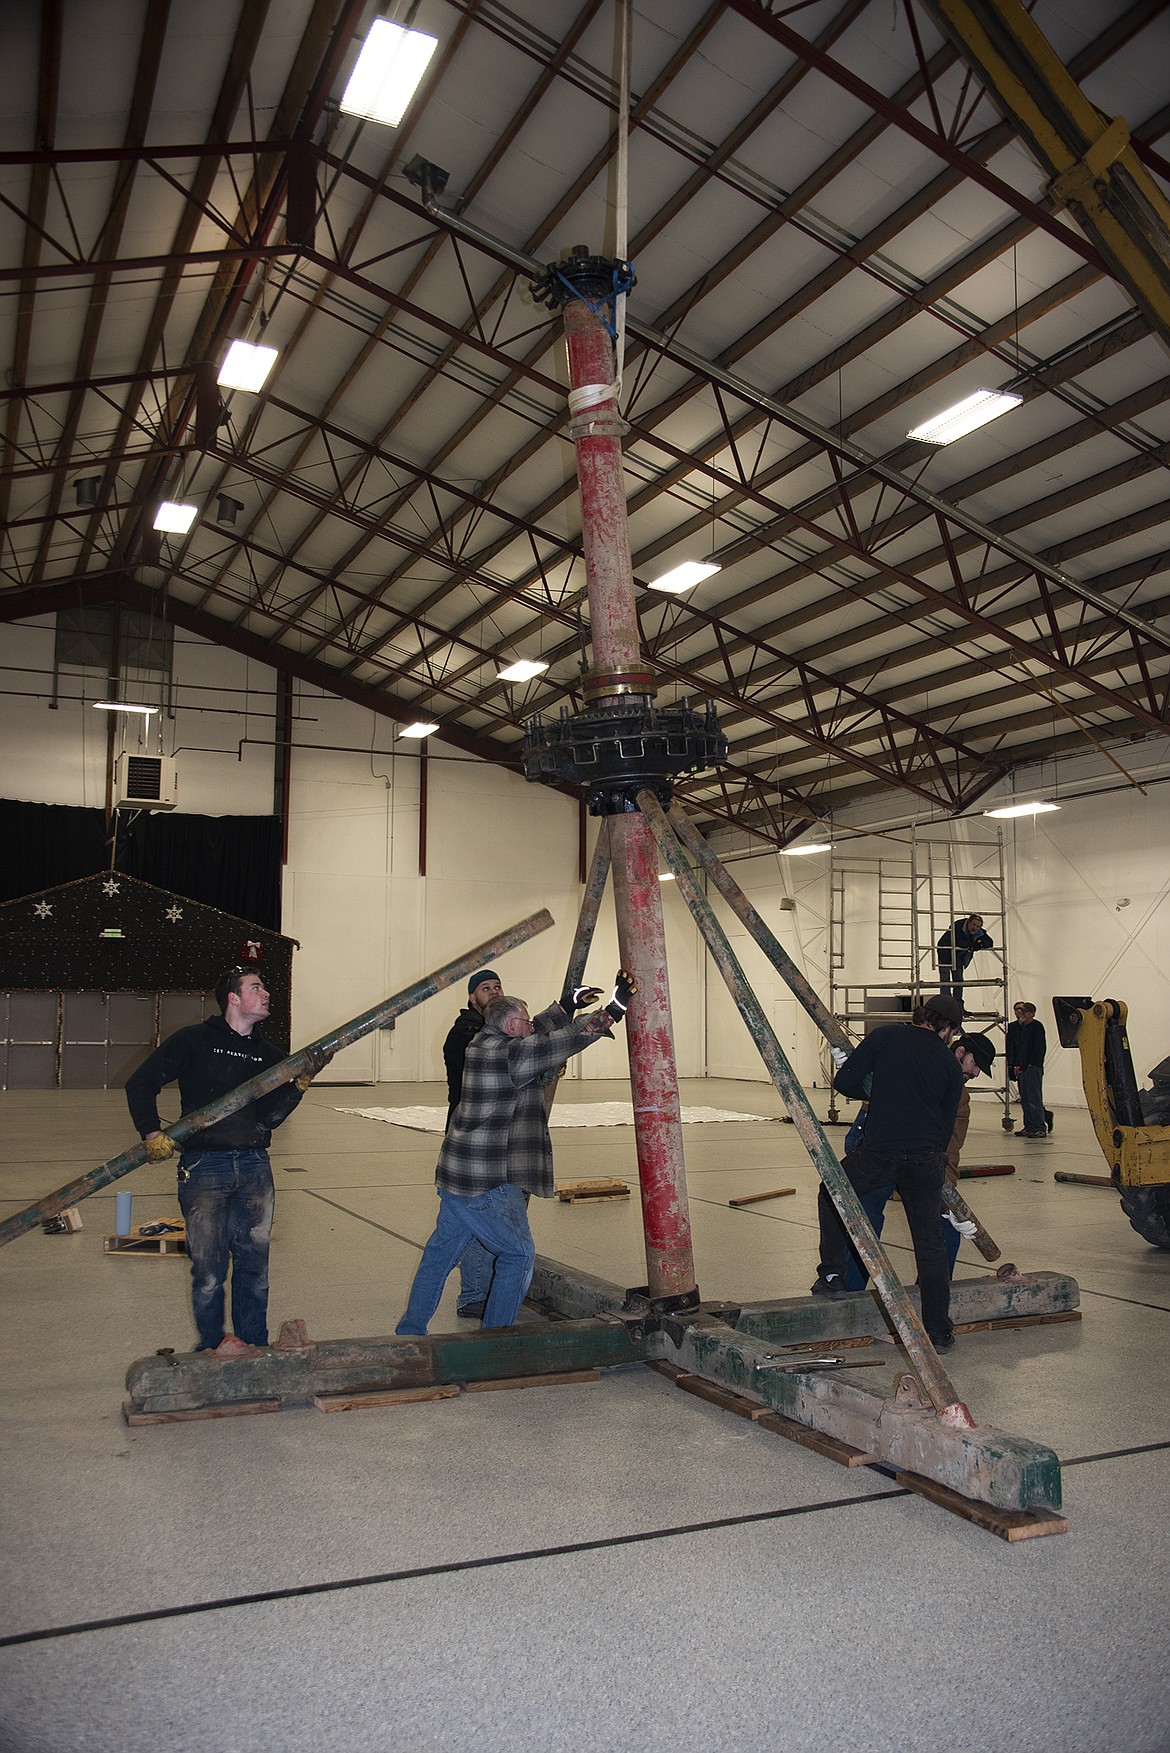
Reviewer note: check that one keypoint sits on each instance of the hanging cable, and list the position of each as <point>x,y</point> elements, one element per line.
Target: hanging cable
<point>622,193</point>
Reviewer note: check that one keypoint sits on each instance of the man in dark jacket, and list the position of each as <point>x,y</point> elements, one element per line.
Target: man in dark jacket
<point>913,1082</point>
<point>225,1179</point>
<point>475,1268</point>
<point>497,1148</point>
<point>481,989</point>
<point>1026,1048</point>
<point>955,948</point>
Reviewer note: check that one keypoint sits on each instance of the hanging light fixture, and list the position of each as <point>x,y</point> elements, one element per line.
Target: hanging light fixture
<point>1023,809</point>
<point>174,518</point>
<point>803,851</point>
<point>685,576</point>
<point>522,670</point>
<point>966,416</point>
<point>388,72</point>
<point>246,366</point>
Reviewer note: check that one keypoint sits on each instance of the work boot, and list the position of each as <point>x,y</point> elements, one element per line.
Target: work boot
<point>830,1284</point>
<point>1048,1119</point>
<point>473,1312</point>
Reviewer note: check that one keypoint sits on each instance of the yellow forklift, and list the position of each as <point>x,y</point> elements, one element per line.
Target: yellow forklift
<point>1132,1125</point>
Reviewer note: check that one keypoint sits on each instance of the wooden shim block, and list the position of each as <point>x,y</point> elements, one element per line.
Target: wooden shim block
<point>1016,1321</point>
<point>355,1402</point>
<point>670,1370</point>
<point>831,1447</point>
<point>591,1198</point>
<point>563,1378</point>
<point>1007,1524</point>
<point>753,1198</point>
<point>240,1409</point>
<point>717,1395</point>
<point>172,1247</point>
<point>607,1187</point>
<point>606,1184</point>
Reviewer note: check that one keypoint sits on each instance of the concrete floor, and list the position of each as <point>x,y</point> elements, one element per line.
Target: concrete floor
<point>604,1567</point>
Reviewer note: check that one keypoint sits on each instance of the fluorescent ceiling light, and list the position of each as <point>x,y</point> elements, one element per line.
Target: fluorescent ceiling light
<point>966,416</point>
<point>177,519</point>
<point>1023,809</point>
<point>522,670</point>
<point>245,366</point>
<point>803,851</point>
<point>666,876</point>
<point>420,728</point>
<point>691,572</point>
<point>123,706</point>
<point>388,72</point>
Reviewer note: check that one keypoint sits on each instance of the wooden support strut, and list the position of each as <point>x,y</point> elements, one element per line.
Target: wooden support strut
<point>889,1287</point>
<point>296,1065</point>
<point>817,1009</point>
<point>583,936</point>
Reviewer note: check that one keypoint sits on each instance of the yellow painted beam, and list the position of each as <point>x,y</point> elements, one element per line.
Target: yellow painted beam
<point>1088,159</point>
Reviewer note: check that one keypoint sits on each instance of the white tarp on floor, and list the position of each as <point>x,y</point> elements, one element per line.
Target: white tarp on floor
<point>563,1114</point>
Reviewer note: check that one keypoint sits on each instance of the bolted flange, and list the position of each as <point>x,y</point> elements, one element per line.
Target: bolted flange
<point>616,750</point>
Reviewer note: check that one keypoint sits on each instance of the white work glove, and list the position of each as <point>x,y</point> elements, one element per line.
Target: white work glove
<point>966,1226</point>
<point>838,1055</point>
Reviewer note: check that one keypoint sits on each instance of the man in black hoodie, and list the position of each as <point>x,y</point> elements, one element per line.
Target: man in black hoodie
<point>225,1179</point>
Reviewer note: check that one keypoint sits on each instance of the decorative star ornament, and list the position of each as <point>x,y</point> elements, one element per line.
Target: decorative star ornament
<point>174,914</point>
<point>43,910</point>
<point>110,887</point>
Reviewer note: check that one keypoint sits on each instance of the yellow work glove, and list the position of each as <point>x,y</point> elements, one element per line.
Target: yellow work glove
<point>159,1148</point>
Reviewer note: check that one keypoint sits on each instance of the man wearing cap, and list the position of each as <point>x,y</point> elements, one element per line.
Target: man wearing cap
<point>497,1147</point>
<point>975,1054</point>
<point>913,1082</point>
<point>955,948</point>
<point>481,989</point>
<point>1026,1047</point>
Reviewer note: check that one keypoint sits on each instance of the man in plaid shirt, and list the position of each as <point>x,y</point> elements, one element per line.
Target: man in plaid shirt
<point>497,1147</point>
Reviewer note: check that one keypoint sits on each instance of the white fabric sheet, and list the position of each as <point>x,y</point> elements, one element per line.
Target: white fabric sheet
<point>563,1114</point>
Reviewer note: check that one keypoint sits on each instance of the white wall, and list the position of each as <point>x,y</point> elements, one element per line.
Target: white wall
<point>1090,918</point>
<point>1087,888</point>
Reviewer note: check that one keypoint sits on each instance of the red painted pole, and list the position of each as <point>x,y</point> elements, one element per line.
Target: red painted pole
<point>618,671</point>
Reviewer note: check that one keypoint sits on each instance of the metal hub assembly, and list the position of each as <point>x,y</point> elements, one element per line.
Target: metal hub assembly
<point>615,751</point>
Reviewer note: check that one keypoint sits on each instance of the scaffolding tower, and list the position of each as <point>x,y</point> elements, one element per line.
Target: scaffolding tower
<point>920,892</point>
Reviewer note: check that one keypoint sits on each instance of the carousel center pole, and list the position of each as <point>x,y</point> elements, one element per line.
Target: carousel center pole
<point>616,745</point>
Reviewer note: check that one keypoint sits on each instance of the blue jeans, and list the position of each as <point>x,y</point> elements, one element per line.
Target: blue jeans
<point>475,1276</point>
<point>226,1197</point>
<point>498,1219</point>
<point>1032,1098</point>
<point>918,1176</point>
<point>875,1209</point>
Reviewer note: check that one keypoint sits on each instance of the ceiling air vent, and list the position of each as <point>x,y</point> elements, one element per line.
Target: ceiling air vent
<point>145,782</point>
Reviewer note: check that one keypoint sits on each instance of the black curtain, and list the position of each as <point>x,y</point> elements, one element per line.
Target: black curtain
<point>45,844</point>
<point>228,862</point>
